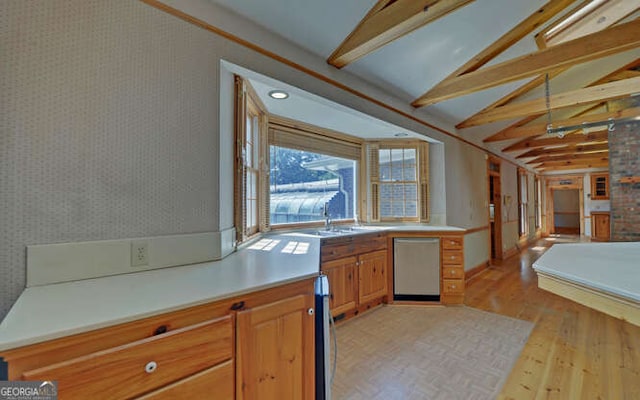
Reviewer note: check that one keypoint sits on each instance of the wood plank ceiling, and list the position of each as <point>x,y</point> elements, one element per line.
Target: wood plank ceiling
<point>579,33</point>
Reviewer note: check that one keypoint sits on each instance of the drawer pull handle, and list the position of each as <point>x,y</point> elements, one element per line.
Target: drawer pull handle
<point>237,306</point>
<point>453,286</point>
<point>160,330</point>
<point>453,272</point>
<point>150,367</point>
<point>452,257</point>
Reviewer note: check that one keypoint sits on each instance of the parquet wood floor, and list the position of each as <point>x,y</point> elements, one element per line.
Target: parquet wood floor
<point>574,352</point>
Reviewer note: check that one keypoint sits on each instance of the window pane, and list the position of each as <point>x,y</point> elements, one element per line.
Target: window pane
<point>301,182</point>
<point>411,209</point>
<point>385,172</point>
<point>400,199</point>
<point>398,193</point>
<point>411,192</point>
<point>248,154</point>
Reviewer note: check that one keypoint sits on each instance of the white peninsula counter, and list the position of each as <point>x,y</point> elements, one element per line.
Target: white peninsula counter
<point>603,276</point>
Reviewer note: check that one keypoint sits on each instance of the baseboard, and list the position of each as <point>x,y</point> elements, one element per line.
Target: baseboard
<point>475,271</point>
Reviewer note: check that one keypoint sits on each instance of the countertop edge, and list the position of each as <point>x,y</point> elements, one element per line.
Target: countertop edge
<point>135,317</point>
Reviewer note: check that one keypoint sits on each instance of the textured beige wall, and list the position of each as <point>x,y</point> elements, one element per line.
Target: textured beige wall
<point>108,123</point>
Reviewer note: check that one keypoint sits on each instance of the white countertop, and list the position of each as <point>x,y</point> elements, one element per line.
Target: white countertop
<point>52,311</point>
<point>610,267</point>
<point>425,228</point>
<point>47,312</point>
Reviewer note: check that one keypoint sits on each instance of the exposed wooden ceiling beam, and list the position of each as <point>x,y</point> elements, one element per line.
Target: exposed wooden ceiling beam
<point>613,76</point>
<point>541,128</point>
<point>546,168</point>
<point>529,143</point>
<point>387,21</point>
<point>570,157</point>
<point>597,45</point>
<point>590,161</point>
<point>604,92</point>
<point>539,17</point>
<point>513,95</point>
<point>571,149</point>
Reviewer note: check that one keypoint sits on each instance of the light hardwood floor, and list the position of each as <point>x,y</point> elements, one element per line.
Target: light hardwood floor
<point>573,352</point>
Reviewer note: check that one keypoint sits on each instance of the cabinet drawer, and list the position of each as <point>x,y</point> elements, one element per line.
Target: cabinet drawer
<point>452,272</point>
<point>452,243</point>
<point>336,251</point>
<point>369,243</point>
<point>452,257</point>
<point>452,286</point>
<point>128,370</point>
<point>218,379</point>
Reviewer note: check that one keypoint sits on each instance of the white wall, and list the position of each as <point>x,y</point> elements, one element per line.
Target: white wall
<point>109,127</point>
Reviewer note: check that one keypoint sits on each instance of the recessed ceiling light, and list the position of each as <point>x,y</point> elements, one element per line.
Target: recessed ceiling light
<point>401,134</point>
<point>278,94</point>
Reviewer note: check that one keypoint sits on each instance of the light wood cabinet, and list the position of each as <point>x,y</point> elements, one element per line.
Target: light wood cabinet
<point>135,368</point>
<point>265,335</point>
<point>600,225</point>
<point>343,284</point>
<point>275,351</point>
<point>452,256</point>
<point>356,267</point>
<point>600,186</point>
<point>216,382</point>
<point>372,275</point>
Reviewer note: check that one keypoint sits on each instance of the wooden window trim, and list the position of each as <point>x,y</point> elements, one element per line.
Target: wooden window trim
<point>422,179</point>
<point>247,101</point>
<point>523,209</point>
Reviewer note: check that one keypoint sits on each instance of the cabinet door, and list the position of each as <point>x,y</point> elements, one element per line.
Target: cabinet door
<point>372,273</point>
<point>275,351</point>
<point>601,226</point>
<point>343,287</point>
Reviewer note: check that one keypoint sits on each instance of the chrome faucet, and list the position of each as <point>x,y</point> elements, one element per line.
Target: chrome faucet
<point>327,219</point>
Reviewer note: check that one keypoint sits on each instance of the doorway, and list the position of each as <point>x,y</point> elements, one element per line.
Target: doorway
<point>566,211</point>
<point>495,209</point>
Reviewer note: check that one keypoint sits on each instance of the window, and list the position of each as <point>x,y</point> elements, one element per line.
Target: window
<point>249,162</point>
<point>399,181</point>
<point>302,182</point>
<point>537,203</point>
<point>311,167</point>
<point>523,224</point>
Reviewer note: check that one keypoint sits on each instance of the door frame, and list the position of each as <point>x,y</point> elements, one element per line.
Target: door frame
<point>563,182</point>
<point>495,232</point>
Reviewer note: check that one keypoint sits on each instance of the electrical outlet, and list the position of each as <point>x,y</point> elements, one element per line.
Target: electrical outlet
<point>139,254</point>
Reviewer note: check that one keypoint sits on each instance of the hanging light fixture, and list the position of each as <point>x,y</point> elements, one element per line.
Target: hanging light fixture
<point>561,131</point>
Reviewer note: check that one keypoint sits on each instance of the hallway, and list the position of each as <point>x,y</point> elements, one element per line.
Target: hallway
<point>573,352</point>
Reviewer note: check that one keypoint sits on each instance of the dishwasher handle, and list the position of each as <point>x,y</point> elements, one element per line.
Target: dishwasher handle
<point>414,240</point>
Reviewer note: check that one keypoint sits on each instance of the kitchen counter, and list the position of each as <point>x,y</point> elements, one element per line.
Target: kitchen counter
<point>52,311</point>
<point>603,276</point>
<point>341,231</point>
<point>47,312</point>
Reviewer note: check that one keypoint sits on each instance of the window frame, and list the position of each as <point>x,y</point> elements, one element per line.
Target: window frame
<point>523,212</point>
<point>247,103</point>
<point>537,201</point>
<point>421,149</point>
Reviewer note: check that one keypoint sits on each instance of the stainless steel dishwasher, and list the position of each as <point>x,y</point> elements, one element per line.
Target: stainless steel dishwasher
<point>416,269</point>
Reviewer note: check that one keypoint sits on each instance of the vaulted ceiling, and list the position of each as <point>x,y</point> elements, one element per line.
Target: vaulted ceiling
<point>497,70</point>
